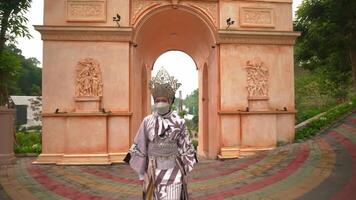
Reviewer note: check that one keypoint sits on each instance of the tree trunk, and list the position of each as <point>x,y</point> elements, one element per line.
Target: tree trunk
<point>352,55</point>
<point>3,87</point>
<point>4,26</point>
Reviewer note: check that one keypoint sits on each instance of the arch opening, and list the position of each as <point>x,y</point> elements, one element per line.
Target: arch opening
<point>173,29</point>
<point>182,66</point>
<point>162,31</point>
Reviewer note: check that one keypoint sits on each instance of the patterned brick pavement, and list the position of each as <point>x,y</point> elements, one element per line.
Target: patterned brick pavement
<point>321,168</point>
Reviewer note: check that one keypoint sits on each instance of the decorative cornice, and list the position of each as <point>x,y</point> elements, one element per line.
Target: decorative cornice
<point>269,1</point>
<point>97,114</point>
<point>257,37</point>
<point>255,112</point>
<point>85,33</point>
<point>7,110</point>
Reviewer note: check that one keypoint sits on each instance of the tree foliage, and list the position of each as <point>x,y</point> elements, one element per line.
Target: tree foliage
<point>13,24</point>
<point>13,20</point>
<point>30,76</point>
<point>327,44</point>
<point>9,72</point>
<point>24,77</point>
<point>191,102</point>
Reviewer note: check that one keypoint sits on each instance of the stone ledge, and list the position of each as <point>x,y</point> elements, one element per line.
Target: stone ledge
<point>85,33</point>
<point>257,37</point>
<point>7,110</point>
<point>20,155</point>
<point>93,114</point>
<point>6,159</point>
<point>80,159</point>
<point>117,157</point>
<point>229,153</point>
<point>47,158</point>
<point>231,112</point>
<point>237,152</point>
<point>269,1</point>
<point>84,159</point>
<point>252,151</point>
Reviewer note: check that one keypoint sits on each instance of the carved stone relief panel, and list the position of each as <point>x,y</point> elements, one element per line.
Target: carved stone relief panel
<point>208,8</point>
<point>257,79</point>
<point>141,6</point>
<point>256,17</point>
<point>86,10</point>
<point>88,78</point>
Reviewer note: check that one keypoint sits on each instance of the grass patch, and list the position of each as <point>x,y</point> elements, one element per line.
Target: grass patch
<point>28,142</point>
<point>326,120</point>
<point>309,113</point>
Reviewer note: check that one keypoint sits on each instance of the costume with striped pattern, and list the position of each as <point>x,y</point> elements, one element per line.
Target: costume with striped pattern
<point>163,184</point>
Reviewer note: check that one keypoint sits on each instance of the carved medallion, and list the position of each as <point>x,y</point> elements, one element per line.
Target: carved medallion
<point>257,78</point>
<point>88,79</point>
<point>85,10</point>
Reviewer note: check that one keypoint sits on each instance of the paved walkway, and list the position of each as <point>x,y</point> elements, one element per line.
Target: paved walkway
<point>321,168</point>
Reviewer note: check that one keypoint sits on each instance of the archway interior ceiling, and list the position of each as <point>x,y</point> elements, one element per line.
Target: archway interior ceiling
<point>174,29</point>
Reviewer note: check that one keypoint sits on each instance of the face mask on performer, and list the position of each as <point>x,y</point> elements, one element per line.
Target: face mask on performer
<point>161,105</point>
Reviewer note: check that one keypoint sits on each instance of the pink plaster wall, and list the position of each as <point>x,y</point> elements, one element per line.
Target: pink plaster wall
<point>258,131</point>
<point>60,60</point>
<point>7,120</point>
<point>118,134</point>
<point>285,128</point>
<point>86,135</point>
<point>277,58</point>
<point>54,131</point>
<point>230,130</point>
<point>56,14</point>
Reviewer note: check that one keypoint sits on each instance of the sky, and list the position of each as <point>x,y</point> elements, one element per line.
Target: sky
<point>183,68</point>
<point>178,64</point>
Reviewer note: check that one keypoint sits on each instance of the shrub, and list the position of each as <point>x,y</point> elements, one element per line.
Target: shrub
<point>28,142</point>
<point>326,120</point>
<point>195,144</point>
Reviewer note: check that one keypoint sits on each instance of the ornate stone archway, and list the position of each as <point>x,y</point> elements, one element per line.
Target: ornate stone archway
<point>95,73</point>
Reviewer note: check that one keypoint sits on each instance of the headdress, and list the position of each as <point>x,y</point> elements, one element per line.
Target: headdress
<point>163,85</point>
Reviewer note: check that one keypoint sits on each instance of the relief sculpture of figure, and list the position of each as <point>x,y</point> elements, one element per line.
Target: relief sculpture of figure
<point>257,79</point>
<point>89,82</point>
<point>162,152</point>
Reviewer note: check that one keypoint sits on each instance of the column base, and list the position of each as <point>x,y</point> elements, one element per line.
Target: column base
<point>80,159</point>
<point>244,152</point>
<point>48,159</point>
<point>117,157</point>
<point>236,152</point>
<point>229,152</point>
<point>85,159</point>
<point>6,159</point>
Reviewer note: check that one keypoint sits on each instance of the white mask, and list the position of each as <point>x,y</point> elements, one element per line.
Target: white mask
<point>161,108</point>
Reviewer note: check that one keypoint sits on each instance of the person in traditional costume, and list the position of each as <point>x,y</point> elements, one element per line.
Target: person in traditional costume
<point>162,152</point>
